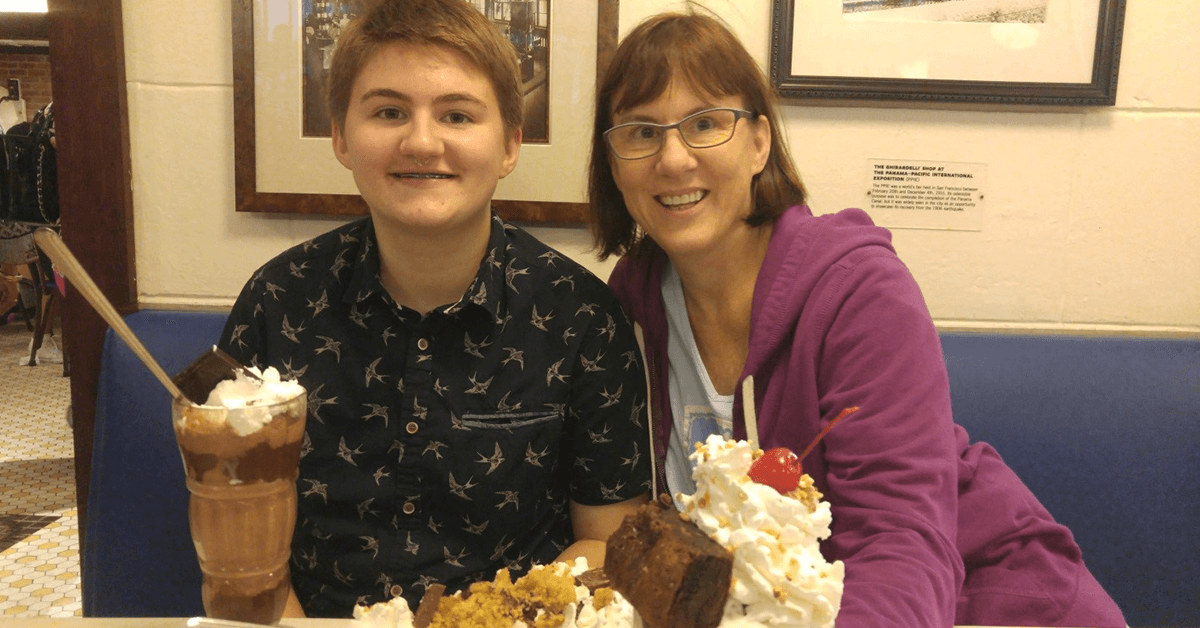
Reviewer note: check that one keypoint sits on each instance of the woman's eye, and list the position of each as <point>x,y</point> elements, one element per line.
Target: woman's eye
<point>704,124</point>
<point>645,132</point>
<point>457,117</point>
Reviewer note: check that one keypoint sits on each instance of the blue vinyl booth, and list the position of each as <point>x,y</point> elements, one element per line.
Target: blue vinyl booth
<point>1105,431</point>
<point>137,558</point>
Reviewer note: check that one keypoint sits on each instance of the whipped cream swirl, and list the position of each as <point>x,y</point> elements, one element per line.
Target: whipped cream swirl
<point>254,396</point>
<point>780,577</point>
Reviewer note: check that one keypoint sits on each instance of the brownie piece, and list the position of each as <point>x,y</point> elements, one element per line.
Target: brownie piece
<point>429,605</point>
<point>671,571</point>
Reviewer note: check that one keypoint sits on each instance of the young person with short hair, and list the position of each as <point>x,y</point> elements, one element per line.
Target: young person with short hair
<point>476,400</point>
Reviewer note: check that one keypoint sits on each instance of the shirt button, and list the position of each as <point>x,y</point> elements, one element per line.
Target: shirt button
<point>408,509</point>
<point>422,344</point>
<point>412,427</point>
<point>397,590</point>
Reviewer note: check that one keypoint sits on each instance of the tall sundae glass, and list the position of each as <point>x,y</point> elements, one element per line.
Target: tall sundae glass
<point>241,452</point>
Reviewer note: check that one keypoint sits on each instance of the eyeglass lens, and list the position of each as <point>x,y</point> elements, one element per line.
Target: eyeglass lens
<point>699,130</point>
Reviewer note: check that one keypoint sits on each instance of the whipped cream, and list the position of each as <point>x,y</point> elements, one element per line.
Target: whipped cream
<point>253,397</point>
<point>780,577</point>
<point>582,613</point>
<point>391,614</point>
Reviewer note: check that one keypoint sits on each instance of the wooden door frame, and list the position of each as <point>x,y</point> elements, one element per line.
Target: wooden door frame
<point>87,71</point>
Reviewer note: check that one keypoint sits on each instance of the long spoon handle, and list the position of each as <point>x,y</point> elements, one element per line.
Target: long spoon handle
<point>748,411</point>
<point>641,341</point>
<point>50,242</point>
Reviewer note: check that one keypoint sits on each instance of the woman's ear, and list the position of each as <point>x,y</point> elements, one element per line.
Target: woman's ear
<point>762,142</point>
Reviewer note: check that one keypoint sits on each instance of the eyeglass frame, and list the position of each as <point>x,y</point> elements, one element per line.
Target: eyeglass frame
<point>738,114</point>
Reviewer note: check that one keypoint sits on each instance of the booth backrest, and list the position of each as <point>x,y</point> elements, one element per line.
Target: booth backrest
<point>1105,431</point>
<point>138,558</point>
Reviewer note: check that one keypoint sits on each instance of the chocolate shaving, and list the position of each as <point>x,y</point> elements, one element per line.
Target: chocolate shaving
<point>429,605</point>
<point>594,579</point>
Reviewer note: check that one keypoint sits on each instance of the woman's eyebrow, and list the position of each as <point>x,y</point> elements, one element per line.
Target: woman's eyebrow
<point>621,119</point>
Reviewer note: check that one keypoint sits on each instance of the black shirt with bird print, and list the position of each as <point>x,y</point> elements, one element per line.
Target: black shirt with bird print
<point>441,448</point>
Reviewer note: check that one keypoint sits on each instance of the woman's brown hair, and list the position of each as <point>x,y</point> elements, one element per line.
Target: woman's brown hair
<point>452,24</point>
<point>702,51</point>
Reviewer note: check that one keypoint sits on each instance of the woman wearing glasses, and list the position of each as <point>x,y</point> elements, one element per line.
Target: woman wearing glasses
<point>731,275</point>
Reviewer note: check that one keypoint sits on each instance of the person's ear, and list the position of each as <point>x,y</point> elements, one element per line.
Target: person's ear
<point>762,142</point>
<point>512,150</point>
<point>341,149</point>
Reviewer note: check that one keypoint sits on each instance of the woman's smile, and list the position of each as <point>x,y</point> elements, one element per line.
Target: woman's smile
<point>681,201</point>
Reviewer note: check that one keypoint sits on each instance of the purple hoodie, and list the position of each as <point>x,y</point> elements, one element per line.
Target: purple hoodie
<point>933,531</point>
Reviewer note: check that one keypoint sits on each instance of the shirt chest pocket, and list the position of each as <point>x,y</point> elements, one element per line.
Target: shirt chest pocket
<point>505,462</point>
<point>509,421</point>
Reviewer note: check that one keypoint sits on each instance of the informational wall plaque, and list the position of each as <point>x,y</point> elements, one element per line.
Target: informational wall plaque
<point>926,194</point>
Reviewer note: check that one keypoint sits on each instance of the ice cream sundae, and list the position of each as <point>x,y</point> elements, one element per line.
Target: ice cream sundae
<point>241,454</point>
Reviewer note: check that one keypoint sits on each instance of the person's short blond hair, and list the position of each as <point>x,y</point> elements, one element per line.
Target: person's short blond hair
<point>451,24</point>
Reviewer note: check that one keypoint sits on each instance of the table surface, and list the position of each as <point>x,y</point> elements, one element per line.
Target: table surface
<point>167,622</point>
<point>149,622</point>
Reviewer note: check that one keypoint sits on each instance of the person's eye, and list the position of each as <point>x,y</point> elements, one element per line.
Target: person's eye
<point>644,132</point>
<point>704,123</point>
<point>457,117</point>
<point>389,113</point>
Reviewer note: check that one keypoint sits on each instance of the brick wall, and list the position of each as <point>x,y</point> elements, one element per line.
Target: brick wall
<point>33,70</point>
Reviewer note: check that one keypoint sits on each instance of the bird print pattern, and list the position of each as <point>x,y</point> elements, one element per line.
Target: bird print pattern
<point>442,447</point>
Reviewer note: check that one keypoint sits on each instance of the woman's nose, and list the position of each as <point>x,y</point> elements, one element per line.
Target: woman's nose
<point>675,154</point>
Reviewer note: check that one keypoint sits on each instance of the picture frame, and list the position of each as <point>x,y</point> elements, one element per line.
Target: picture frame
<point>320,186</point>
<point>826,52</point>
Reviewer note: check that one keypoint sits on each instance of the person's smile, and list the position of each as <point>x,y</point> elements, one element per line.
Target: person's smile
<point>680,201</point>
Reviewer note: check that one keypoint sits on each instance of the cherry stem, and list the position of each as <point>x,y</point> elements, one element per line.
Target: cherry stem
<point>843,414</point>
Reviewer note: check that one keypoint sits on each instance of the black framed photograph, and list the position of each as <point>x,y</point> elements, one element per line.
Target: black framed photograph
<point>998,52</point>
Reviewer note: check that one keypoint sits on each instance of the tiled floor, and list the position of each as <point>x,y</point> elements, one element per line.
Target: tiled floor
<point>39,540</point>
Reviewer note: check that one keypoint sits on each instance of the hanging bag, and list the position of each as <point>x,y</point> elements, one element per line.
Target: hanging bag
<point>29,186</point>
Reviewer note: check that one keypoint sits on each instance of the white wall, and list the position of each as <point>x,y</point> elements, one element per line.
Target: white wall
<point>1092,220</point>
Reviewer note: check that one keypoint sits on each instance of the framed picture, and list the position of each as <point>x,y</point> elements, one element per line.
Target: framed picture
<point>283,162</point>
<point>1010,52</point>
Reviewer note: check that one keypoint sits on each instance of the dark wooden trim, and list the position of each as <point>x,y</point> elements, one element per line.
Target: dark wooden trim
<point>87,74</point>
<point>24,26</point>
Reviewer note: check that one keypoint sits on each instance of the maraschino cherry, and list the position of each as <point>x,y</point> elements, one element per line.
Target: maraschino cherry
<point>780,469</point>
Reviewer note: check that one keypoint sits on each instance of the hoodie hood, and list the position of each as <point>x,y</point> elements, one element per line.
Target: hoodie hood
<point>804,249</point>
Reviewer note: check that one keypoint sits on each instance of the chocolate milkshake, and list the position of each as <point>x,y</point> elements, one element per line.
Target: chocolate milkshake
<point>241,452</point>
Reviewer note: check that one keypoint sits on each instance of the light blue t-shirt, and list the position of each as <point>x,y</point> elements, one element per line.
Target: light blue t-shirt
<point>697,409</point>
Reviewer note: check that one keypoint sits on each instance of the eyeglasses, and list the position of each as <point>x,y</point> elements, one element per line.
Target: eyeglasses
<point>703,129</point>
